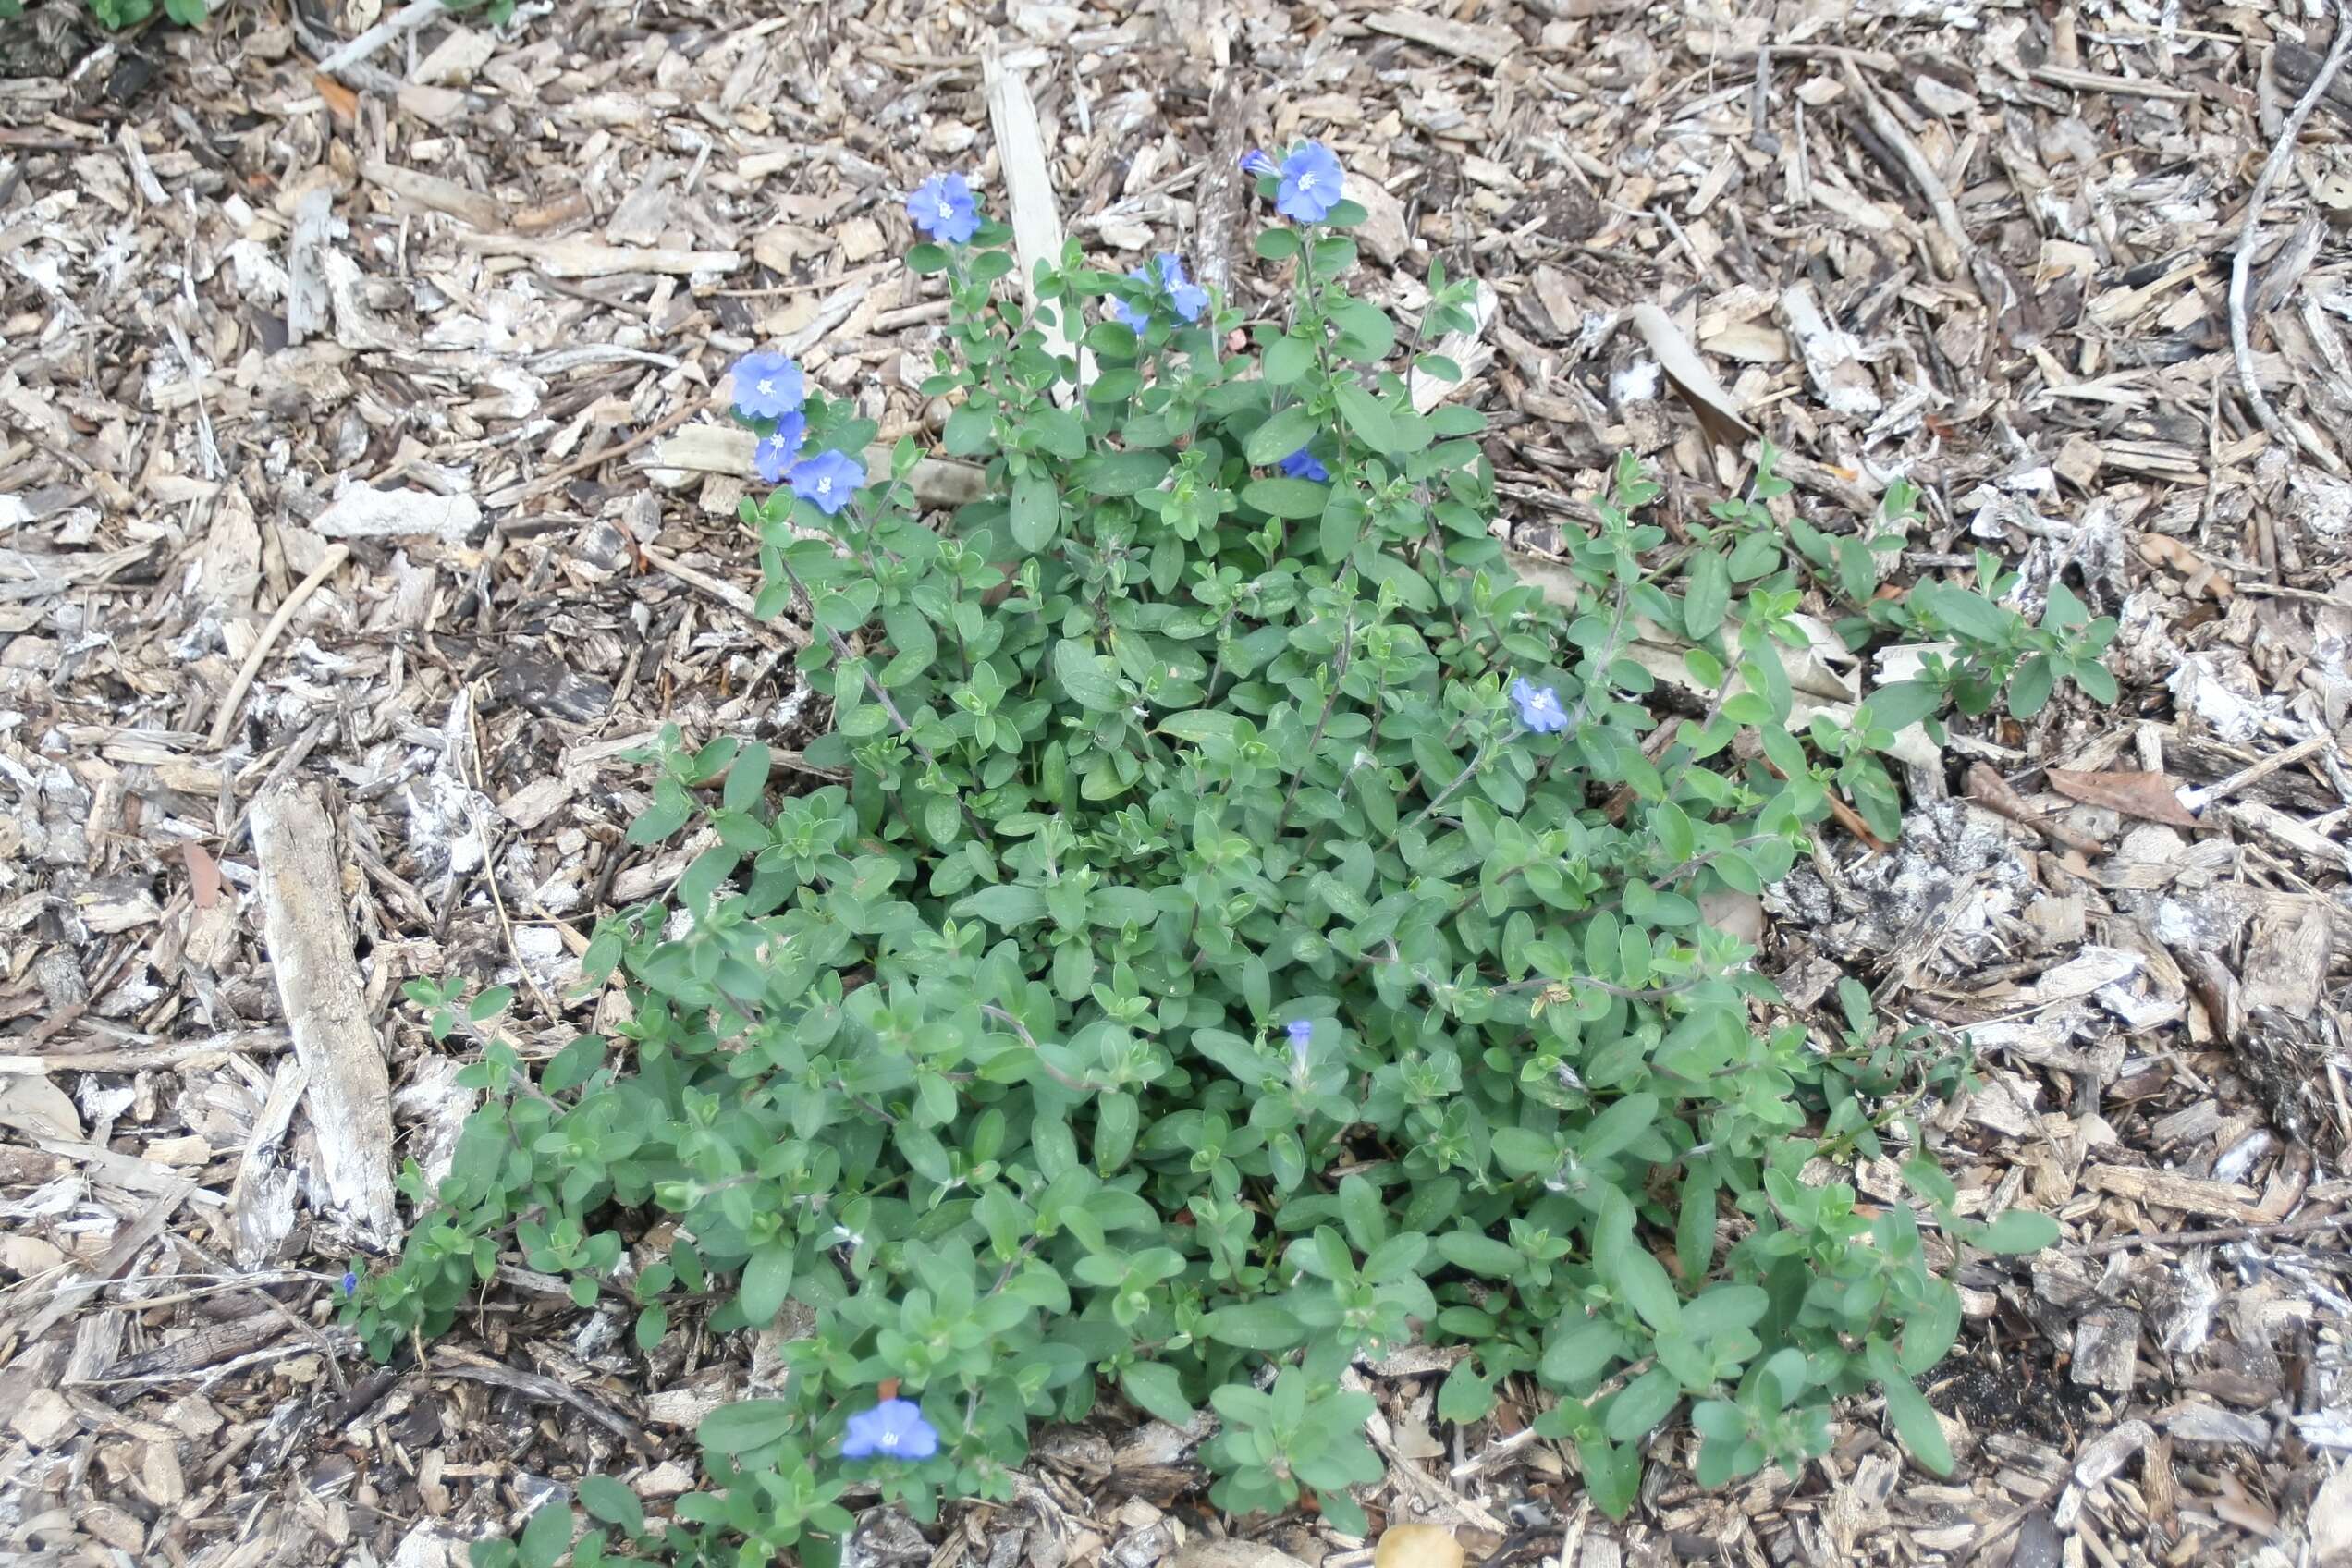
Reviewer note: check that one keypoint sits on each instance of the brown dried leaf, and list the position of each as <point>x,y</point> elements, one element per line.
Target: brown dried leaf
<point>205,872</point>
<point>1989,789</point>
<point>2149,796</point>
<point>340,101</point>
<point>2163,549</point>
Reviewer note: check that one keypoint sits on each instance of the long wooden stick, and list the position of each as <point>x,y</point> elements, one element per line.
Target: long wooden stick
<point>225,721</point>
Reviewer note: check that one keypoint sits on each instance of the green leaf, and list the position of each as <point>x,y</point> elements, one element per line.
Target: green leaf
<point>1089,679</point>
<point>1036,512</point>
<point>1280,436</point>
<point>767,1280</point>
<point>1121,473</point>
<point>745,1425</point>
<point>2096,679</point>
<point>1582,1352</point>
<point>1365,332</point>
<point>1522,1152</point>
<point>1258,1325</point>
<point>614,1503</point>
<point>1395,1257</point>
<point>1277,244</point>
<point>2030,688</point>
<point>1612,1473</point>
<point>1366,417</point>
<point>746,778</point>
<point>1672,826</point>
<point>1915,1419</point>
<point>1004,906</point>
<point>1642,1283</point>
<point>1929,1332</point>
<point>1708,594</point>
<point>1287,497</point>
<point>1479,1254</point>
<point>546,1538</point>
<point>1642,1405</point>
<point>1722,1308</point>
<point>1624,1121</point>
<point>1970,615</point>
<point>1199,726</point>
<point>1464,1396</point>
<point>1902,703</point>
<point>1156,1388</point>
<point>1286,359</point>
<point>2018,1229</point>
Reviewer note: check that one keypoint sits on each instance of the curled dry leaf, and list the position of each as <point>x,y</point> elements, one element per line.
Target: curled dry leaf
<point>2203,577</point>
<point>1691,381</point>
<point>1989,789</point>
<point>1417,1546</point>
<point>2152,797</point>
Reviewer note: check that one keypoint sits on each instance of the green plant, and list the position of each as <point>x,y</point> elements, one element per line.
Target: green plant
<point>2000,652</point>
<point>120,14</point>
<point>1256,931</point>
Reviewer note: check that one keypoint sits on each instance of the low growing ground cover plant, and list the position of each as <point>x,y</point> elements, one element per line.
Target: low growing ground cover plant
<point>1257,932</point>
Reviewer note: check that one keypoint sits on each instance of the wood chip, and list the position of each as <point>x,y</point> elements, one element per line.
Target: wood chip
<point>1487,45</point>
<point>588,257</point>
<point>349,1096</point>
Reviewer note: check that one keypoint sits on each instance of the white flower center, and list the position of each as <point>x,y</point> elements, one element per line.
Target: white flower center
<point>891,1440</point>
<point>1306,182</point>
<point>825,485</point>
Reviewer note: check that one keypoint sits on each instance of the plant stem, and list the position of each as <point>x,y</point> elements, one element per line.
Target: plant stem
<point>1485,754</point>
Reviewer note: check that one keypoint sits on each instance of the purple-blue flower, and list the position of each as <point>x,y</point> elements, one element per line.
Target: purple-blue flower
<point>774,454</point>
<point>1302,1032</point>
<point>1312,183</point>
<point>893,1430</point>
<point>1539,708</point>
<point>1164,274</point>
<point>1256,162</point>
<point>1304,464</point>
<point>766,385</point>
<point>942,207</point>
<point>827,480</point>
<point>351,1281</point>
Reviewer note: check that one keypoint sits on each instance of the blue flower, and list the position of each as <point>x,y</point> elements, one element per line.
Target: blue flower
<point>942,207</point>
<point>1304,464</point>
<point>1164,274</point>
<point>1539,708</point>
<point>766,385</point>
<point>1256,162</point>
<point>773,456</point>
<point>827,480</point>
<point>1312,183</point>
<point>893,1430</point>
<point>350,1282</point>
<point>1302,1032</point>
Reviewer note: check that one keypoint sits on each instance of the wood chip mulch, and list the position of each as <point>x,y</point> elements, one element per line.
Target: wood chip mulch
<point>363,501</point>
